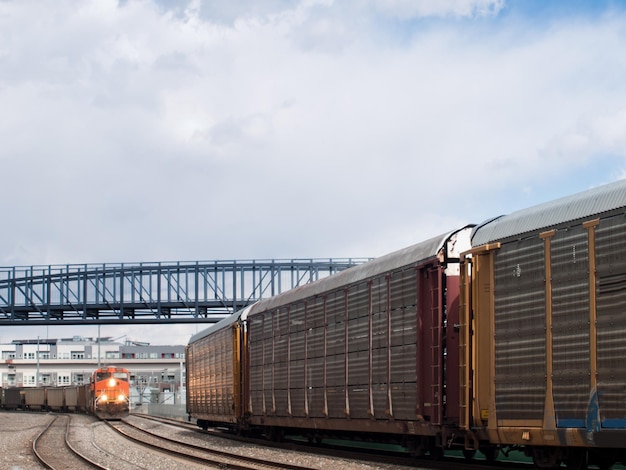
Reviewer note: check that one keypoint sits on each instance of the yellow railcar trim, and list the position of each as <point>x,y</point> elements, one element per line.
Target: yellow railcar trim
<point>593,314</point>
<point>549,416</point>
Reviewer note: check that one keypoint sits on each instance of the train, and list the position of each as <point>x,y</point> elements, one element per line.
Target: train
<point>107,396</point>
<point>508,335</point>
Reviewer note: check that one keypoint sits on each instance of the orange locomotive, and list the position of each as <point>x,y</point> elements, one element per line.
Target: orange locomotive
<point>109,393</point>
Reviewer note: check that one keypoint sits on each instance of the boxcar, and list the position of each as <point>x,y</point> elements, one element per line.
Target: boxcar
<point>545,326</point>
<point>363,351</point>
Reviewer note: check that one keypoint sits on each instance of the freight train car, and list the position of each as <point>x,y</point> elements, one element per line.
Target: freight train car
<point>13,398</point>
<point>214,380</point>
<point>362,353</point>
<point>35,398</point>
<point>55,398</point>
<point>106,396</point>
<point>530,358</point>
<point>544,331</point>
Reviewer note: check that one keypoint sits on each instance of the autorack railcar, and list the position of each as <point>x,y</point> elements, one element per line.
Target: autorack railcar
<point>362,353</point>
<point>545,330</point>
<point>538,341</point>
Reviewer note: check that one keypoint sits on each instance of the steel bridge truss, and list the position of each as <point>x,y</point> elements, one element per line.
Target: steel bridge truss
<point>178,292</point>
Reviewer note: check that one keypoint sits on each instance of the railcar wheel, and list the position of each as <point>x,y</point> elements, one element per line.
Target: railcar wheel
<point>490,453</point>
<point>274,434</point>
<point>577,459</point>
<point>436,453</point>
<point>546,457</point>
<point>604,460</point>
<point>469,454</point>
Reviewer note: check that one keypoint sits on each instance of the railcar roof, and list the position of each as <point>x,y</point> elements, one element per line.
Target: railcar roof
<point>413,254</point>
<point>578,206</point>
<point>224,322</point>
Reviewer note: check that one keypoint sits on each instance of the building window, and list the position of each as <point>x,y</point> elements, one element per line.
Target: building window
<point>79,379</point>
<point>64,379</point>
<point>44,355</point>
<point>8,354</point>
<point>153,355</point>
<point>78,354</point>
<point>29,355</point>
<point>29,380</point>
<point>112,355</point>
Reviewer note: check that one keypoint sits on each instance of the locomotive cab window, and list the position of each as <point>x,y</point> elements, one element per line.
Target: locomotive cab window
<point>120,375</point>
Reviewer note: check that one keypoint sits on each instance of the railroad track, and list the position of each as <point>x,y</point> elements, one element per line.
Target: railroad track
<point>195,453</point>
<point>53,449</point>
<point>366,456</point>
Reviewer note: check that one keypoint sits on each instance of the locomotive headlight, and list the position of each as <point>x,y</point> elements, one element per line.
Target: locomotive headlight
<point>103,397</point>
<point>111,382</point>
<point>121,397</point>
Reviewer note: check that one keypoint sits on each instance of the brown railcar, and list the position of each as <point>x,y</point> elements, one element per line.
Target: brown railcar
<point>13,398</point>
<point>35,398</point>
<point>359,353</point>
<point>55,398</point>
<point>213,362</point>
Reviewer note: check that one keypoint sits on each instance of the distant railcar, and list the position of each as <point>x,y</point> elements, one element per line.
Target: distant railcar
<point>35,398</point>
<point>106,396</point>
<point>214,380</point>
<point>70,398</point>
<point>55,398</point>
<point>13,398</point>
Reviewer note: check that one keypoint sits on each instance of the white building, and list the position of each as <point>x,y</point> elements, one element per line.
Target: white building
<point>71,361</point>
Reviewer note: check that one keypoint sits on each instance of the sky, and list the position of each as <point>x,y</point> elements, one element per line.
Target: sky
<point>162,130</point>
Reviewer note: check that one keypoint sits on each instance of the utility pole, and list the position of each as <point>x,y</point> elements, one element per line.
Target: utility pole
<point>37,374</point>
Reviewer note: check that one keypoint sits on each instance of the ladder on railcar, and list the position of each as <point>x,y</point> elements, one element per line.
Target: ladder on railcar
<point>436,348</point>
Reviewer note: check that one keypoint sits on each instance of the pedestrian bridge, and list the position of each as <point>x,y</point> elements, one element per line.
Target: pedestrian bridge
<point>159,292</point>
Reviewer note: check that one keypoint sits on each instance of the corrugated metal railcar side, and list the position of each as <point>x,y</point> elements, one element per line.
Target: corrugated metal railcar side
<point>84,399</point>
<point>13,398</point>
<point>213,362</point>
<point>55,398</point>
<point>70,396</point>
<point>363,350</point>
<point>549,284</point>
<point>35,398</point>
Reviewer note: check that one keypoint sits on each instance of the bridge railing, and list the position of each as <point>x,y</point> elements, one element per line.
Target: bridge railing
<point>152,292</point>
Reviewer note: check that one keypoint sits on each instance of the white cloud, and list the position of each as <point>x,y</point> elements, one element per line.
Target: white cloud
<point>407,9</point>
<point>289,129</point>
